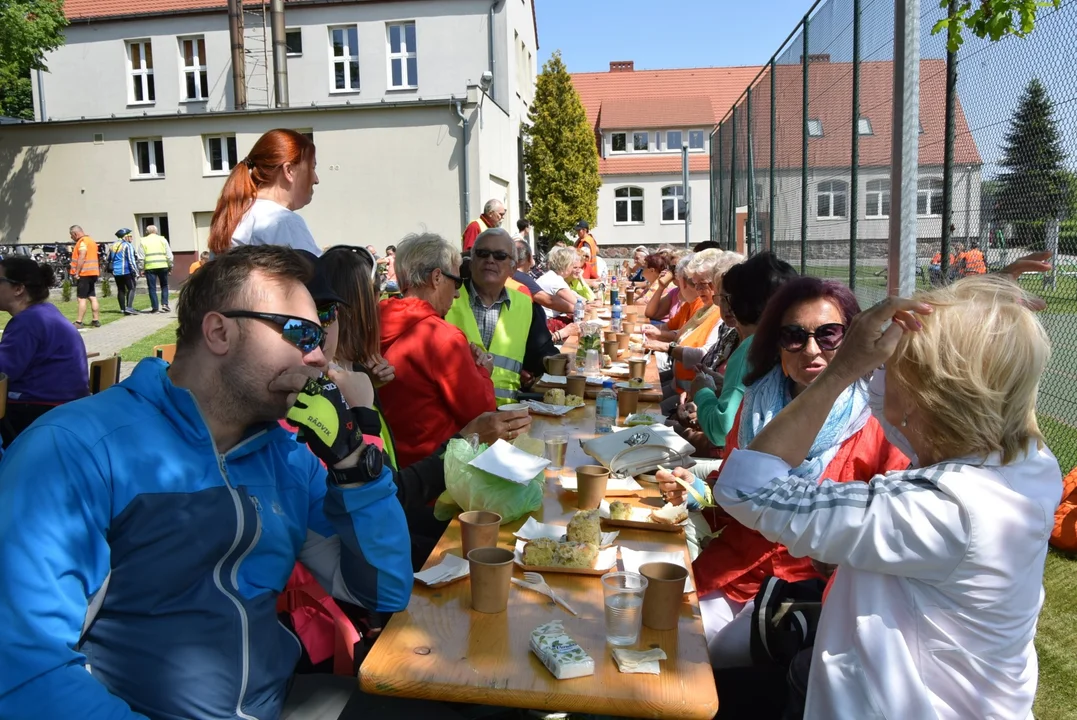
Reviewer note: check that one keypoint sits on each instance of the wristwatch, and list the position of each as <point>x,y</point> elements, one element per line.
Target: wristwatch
<point>672,347</point>
<point>367,469</point>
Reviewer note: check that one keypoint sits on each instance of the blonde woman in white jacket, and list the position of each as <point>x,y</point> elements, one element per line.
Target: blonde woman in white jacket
<point>932,611</point>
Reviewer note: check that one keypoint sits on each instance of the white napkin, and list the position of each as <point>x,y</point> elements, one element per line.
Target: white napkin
<point>623,486</point>
<point>547,409</point>
<point>606,559</point>
<point>451,567</point>
<point>632,559</point>
<point>549,379</point>
<point>637,661</point>
<point>508,462</point>
<point>533,529</point>
<point>595,379</point>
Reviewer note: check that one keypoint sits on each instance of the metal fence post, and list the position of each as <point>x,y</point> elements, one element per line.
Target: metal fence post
<point>750,224</point>
<point>948,152</point>
<point>804,160</point>
<point>905,146</point>
<point>721,185</point>
<point>710,184</point>
<point>854,183</point>
<point>732,239</point>
<point>773,150</point>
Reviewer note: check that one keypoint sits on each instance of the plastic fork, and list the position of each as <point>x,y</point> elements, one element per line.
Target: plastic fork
<point>535,581</point>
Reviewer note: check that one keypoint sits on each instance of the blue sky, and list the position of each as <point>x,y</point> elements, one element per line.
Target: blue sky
<point>685,33</point>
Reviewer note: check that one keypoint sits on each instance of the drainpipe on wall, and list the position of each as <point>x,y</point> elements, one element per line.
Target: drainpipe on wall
<point>239,62</point>
<point>41,96</point>
<point>490,47</point>
<point>465,208</point>
<point>280,52</point>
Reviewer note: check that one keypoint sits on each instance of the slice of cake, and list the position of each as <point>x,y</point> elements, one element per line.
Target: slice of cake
<point>584,527</point>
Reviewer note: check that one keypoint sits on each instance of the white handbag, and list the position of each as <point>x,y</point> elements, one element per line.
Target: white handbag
<point>639,450</point>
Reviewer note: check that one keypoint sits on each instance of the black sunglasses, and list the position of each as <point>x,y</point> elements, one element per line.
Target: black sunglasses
<point>455,278</point>
<point>304,334</point>
<point>484,254</point>
<point>793,338</point>
<point>358,250</point>
<point>327,315</point>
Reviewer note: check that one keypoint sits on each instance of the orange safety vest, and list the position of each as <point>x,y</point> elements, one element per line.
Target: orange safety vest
<point>514,285</point>
<point>90,267</point>
<point>697,337</point>
<point>937,260</point>
<point>974,262</point>
<point>593,262</point>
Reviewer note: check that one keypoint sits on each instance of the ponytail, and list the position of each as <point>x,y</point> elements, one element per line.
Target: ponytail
<point>261,167</point>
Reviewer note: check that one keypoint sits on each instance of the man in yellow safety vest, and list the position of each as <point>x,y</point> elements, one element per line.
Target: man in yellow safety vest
<point>499,320</point>
<point>155,255</point>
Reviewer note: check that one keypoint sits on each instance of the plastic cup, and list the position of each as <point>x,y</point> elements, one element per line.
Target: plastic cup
<point>637,367</point>
<point>490,574</point>
<point>627,401</point>
<point>664,595</point>
<point>576,385</point>
<point>591,486</point>
<point>478,529</point>
<point>622,595</point>
<point>630,296</point>
<point>556,365</point>
<point>556,445</point>
<point>593,364</point>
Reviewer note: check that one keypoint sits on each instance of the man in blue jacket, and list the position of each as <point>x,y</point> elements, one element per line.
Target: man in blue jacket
<point>141,578</point>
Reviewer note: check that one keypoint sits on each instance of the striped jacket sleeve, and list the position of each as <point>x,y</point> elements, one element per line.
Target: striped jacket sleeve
<point>898,524</point>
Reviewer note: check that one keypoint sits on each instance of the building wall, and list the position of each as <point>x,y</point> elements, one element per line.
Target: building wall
<point>383,174</point>
<point>652,231</point>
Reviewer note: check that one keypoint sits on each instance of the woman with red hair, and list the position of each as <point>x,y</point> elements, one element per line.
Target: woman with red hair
<point>258,203</point>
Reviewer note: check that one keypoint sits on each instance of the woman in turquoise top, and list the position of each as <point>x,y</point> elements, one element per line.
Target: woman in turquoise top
<point>746,288</point>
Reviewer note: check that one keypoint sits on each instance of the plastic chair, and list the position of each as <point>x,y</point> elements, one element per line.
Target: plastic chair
<point>165,352</point>
<point>104,374</point>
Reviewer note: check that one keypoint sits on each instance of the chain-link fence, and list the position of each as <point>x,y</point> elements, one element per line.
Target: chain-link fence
<point>802,164</point>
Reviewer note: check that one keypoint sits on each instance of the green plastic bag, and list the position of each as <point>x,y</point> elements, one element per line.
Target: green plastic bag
<point>468,488</point>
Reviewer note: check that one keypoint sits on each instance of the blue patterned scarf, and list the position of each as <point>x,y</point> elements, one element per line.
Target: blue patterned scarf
<point>770,394</point>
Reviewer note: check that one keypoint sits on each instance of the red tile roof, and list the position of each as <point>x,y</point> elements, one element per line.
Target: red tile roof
<point>648,165</point>
<point>643,113</point>
<point>99,9</point>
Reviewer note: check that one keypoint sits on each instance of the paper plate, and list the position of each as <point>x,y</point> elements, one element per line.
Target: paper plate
<point>626,386</point>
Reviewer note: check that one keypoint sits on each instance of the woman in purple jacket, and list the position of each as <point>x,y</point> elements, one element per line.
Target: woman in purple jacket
<point>41,352</point>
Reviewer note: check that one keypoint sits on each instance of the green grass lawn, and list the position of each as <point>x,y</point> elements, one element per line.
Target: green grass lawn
<point>144,347</point>
<point>110,308</point>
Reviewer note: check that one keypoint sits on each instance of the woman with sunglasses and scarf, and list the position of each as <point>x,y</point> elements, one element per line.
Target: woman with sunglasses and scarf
<point>798,335</point>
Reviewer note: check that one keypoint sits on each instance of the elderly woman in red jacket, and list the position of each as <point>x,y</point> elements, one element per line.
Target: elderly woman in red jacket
<point>799,333</point>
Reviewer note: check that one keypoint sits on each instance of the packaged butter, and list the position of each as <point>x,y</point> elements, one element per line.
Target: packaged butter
<point>561,655</point>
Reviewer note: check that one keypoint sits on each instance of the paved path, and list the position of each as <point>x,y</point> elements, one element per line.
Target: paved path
<point>114,337</point>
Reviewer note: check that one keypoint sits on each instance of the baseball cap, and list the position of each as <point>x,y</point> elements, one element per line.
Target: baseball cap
<point>582,225</point>
<point>318,286</point>
<point>123,232</point>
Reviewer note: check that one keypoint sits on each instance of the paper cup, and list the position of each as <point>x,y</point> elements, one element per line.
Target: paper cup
<point>490,574</point>
<point>609,335</point>
<point>627,401</point>
<point>609,347</point>
<point>622,340</point>
<point>631,313</point>
<point>628,327</point>
<point>664,594</point>
<point>637,367</point>
<point>478,529</point>
<point>576,385</point>
<point>556,365</point>
<point>591,486</point>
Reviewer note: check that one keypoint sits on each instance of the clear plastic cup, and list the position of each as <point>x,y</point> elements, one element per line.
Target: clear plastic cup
<point>556,447</point>
<point>622,594</point>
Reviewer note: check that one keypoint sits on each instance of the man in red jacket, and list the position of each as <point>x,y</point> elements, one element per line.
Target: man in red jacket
<point>441,384</point>
<point>493,212</point>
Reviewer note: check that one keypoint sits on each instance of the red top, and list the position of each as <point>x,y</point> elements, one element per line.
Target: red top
<point>470,233</point>
<point>737,561</point>
<point>438,387</point>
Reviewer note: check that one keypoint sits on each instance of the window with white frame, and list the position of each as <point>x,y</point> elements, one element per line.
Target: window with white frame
<point>159,221</point>
<point>640,141</point>
<point>293,41</point>
<point>696,139</point>
<point>403,62</point>
<point>619,142</point>
<point>863,127</point>
<point>149,157</point>
<point>831,199</point>
<point>140,72</point>
<point>815,128</point>
<point>929,197</point>
<point>221,155</point>
<point>195,77</point>
<point>344,56</point>
<point>628,203</point>
<point>674,139</point>
<point>878,199</point>
<point>673,207</point>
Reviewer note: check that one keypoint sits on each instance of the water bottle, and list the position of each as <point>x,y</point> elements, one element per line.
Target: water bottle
<point>578,315</point>
<point>605,408</point>
<point>615,316</point>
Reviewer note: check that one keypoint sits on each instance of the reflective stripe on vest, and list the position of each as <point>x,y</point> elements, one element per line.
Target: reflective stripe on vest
<point>509,341</point>
<point>155,252</point>
<point>89,265</point>
<point>483,227</point>
<point>387,439</point>
<point>697,338</point>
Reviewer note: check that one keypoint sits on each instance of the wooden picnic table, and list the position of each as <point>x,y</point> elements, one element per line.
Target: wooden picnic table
<point>440,649</point>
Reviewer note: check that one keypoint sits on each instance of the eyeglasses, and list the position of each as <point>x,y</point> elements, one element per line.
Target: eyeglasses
<point>9,281</point>
<point>304,334</point>
<point>793,338</point>
<point>327,315</point>
<point>484,254</point>
<point>455,278</point>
